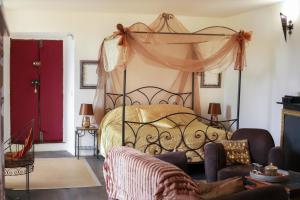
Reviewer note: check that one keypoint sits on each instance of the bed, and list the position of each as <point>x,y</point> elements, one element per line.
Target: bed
<point>157,126</point>
<point>154,124</point>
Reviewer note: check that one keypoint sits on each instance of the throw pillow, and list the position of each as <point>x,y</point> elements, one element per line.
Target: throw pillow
<point>148,116</point>
<point>237,151</point>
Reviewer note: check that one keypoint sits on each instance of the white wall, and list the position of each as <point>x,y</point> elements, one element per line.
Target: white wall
<point>272,72</point>
<point>89,29</point>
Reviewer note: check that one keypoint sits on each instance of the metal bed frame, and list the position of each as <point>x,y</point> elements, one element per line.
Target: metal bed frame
<point>158,140</point>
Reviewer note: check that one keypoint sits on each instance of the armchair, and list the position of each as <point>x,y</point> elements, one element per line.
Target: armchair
<point>261,147</point>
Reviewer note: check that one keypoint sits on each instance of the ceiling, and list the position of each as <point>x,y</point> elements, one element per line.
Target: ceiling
<point>207,8</point>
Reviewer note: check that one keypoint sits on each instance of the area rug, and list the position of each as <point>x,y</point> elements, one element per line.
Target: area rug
<point>55,173</point>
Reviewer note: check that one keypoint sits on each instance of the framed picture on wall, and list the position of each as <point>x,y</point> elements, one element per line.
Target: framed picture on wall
<point>210,80</point>
<point>88,74</point>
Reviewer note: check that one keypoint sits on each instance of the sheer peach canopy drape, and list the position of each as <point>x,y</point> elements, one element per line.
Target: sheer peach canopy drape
<point>166,43</point>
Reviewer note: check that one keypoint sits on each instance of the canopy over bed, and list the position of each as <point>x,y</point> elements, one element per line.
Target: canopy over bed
<point>166,43</point>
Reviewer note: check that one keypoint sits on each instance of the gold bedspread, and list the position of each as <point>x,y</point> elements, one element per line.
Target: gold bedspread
<point>192,135</point>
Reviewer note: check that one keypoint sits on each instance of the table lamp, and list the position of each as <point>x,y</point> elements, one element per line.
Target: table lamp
<point>86,110</point>
<point>214,110</point>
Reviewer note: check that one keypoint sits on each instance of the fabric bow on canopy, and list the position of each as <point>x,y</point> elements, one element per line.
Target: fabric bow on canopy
<point>166,43</point>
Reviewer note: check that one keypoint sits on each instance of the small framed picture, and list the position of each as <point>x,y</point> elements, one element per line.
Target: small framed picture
<point>210,80</point>
<point>88,74</point>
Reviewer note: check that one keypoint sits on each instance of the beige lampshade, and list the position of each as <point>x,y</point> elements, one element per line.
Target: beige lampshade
<point>214,109</point>
<point>86,109</point>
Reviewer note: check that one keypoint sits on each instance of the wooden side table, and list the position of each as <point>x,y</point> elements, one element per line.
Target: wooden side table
<point>79,133</point>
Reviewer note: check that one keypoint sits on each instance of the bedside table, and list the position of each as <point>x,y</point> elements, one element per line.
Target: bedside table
<point>79,133</point>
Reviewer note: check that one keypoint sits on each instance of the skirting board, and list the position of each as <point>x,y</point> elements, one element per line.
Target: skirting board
<point>61,147</point>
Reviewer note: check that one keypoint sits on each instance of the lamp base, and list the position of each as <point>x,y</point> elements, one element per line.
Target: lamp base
<point>214,120</point>
<point>86,122</point>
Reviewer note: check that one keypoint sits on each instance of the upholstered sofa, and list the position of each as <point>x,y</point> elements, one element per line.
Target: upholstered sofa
<point>130,174</point>
<point>262,151</point>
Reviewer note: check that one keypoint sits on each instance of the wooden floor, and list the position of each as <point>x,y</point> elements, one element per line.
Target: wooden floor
<point>89,193</point>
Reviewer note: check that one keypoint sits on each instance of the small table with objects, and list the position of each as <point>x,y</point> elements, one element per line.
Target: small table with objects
<point>81,132</point>
<point>292,185</point>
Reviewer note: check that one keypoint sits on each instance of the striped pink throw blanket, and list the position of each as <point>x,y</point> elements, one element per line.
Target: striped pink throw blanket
<point>132,175</point>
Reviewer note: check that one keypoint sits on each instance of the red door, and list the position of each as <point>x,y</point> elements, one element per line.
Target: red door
<point>23,100</point>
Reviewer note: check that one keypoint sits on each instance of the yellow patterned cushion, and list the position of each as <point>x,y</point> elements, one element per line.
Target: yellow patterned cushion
<point>237,151</point>
<point>147,116</point>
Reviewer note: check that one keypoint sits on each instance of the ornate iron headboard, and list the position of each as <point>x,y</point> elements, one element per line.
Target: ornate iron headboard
<point>148,95</point>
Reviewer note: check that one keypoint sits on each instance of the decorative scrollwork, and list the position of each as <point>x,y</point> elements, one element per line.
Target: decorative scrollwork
<point>18,170</point>
<point>190,138</point>
<point>154,140</point>
<point>148,95</point>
